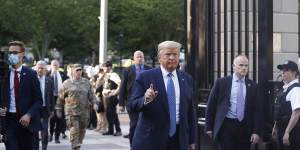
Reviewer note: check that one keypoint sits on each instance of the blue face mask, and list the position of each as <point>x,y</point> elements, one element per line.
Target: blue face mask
<point>13,59</point>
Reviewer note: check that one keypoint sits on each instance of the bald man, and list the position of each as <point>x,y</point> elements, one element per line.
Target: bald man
<point>129,76</point>
<point>233,114</point>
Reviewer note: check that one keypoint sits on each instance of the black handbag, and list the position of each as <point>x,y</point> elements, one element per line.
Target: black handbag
<point>100,107</point>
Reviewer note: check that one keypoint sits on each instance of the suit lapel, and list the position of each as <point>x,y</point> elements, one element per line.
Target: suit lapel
<point>132,73</point>
<point>228,88</point>
<point>45,91</point>
<point>22,76</point>
<point>8,90</point>
<point>248,88</point>
<point>161,87</point>
<point>182,93</point>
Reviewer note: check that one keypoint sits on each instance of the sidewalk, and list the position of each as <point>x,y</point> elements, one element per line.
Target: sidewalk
<point>96,141</point>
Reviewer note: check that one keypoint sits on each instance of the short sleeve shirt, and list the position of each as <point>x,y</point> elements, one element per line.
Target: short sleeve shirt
<point>294,95</point>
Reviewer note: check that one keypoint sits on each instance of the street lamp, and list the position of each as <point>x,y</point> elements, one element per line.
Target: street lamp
<point>103,31</point>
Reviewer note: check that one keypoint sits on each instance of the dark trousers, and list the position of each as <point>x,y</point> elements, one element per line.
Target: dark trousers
<point>18,137</point>
<point>294,136</point>
<point>133,117</point>
<point>233,135</point>
<point>112,117</point>
<point>93,119</point>
<point>173,142</point>
<point>56,125</point>
<point>44,120</point>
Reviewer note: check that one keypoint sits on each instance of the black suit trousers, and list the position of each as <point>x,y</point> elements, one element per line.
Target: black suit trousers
<point>133,117</point>
<point>233,135</point>
<point>294,136</point>
<point>18,137</point>
<point>112,116</point>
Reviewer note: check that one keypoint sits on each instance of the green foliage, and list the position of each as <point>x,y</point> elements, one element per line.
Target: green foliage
<point>72,26</point>
<point>145,23</point>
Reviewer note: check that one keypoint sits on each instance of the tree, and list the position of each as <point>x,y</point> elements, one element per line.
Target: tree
<point>72,26</point>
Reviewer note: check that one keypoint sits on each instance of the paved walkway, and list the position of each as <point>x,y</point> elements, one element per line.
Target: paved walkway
<point>96,141</point>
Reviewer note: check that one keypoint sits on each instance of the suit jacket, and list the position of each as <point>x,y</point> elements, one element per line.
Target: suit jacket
<point>129,75</point>
<point>153,125</point>
<point>49,98</point>
<point>219,103</point>
<point>30,97</point>
<point>62,74</point>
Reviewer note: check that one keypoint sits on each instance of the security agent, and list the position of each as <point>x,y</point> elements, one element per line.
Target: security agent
<point>287,108</point>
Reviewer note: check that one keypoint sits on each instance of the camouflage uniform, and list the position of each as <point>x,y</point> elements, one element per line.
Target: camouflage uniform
<point>102,123</point>
<point>76,96</point>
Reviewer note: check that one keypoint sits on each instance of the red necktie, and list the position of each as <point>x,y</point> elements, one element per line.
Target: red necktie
<point>16,85</point>
<point>16,88</point>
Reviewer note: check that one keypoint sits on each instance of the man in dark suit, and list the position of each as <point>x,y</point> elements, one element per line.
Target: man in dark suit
<point>46,85</point>
<point>24,102</point>
<point>129,75</point>
<point>164,99</point>
<point>57,125</point>
<point>233,114</point>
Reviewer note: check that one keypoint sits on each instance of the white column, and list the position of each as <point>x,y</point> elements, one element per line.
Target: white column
<point>103,31</point>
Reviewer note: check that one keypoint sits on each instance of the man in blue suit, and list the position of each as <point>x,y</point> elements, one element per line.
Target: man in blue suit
<point>129,75</point>
<point>233,114</point>
<point>46,85</point>
<point>24,102</point>
<point>164,98</point>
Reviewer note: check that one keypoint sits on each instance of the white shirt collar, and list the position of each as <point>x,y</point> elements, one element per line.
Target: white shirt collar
<point>18,69</point>
<point>289,84</point>
<point>42,77</point>
<point>236,78</point>
<point>165,72</point>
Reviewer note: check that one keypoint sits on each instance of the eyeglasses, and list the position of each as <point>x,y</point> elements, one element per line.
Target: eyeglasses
<point>79,70</point>
<point>14,52</point>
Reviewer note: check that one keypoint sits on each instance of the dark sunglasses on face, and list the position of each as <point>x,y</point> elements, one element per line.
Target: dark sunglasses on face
<point>14,52</point>
<point>79,70</point>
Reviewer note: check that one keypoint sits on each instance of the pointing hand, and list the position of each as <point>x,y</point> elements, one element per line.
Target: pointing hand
<point>150,94</point>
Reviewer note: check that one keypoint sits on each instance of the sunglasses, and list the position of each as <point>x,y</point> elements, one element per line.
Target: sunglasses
<point>14,52</point>
<point>79,70</point>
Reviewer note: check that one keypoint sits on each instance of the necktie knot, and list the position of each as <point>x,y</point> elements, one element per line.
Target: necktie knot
<point>240,80</point>
<point>170,75</point>
<point>17,74</point>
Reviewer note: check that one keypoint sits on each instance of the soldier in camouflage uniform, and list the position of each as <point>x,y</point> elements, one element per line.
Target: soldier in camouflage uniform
<point>75,96</point>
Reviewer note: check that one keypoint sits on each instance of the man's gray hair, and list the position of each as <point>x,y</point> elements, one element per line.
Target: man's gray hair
<point>137,52</point>
<point>41,62</point>
<point>168,44</point>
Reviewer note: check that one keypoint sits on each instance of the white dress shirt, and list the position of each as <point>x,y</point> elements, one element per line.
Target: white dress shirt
<point>42,86</point>
<point>232,112</point>
<point>12,105</point>
<point>176,85</point>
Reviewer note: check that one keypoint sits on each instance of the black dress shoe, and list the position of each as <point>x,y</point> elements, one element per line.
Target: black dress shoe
<point>126,136</point>
<point>108,133</point>
<point>64,136</point>
<point>50,138</point>
<point>119,133</point>
<point>57,141</point>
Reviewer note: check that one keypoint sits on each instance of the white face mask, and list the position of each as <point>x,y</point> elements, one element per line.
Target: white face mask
<point>13,59</point>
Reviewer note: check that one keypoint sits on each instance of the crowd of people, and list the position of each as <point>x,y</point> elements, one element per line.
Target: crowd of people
<point>42,104</point>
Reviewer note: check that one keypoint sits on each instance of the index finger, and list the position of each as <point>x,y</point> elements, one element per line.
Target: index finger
<point>151,86</point>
